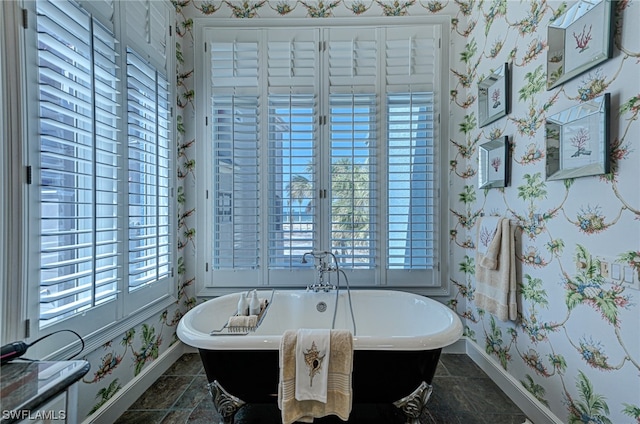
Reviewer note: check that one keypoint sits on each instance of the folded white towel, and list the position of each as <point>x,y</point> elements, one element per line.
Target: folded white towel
<point>244,321</point>
<point>312,364</point>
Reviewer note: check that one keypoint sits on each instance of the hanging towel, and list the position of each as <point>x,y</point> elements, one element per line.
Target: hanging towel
<point>489,238</point>
<point>312,364</point>
<point>496,287</point>
<point>339,395</point>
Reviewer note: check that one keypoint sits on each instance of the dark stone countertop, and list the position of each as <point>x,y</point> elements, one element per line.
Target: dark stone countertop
<point>26,385</point>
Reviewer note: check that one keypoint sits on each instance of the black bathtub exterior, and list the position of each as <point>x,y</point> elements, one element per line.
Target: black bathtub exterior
<point>379,376</point>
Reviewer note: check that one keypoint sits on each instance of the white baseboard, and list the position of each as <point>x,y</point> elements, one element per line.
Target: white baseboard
<point>458,347</point>
<point>124,398</point>
<point>532,407</point>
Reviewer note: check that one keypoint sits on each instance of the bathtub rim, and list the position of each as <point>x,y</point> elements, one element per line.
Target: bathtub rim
<point>256,341</point>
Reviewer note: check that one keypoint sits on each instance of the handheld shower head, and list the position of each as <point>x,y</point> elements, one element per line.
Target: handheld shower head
<point>316,254</point>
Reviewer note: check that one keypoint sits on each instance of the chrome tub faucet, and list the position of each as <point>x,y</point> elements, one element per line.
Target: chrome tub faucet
<point>323,266</point>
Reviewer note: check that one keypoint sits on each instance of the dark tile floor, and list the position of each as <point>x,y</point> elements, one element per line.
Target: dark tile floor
<point>462,394</point>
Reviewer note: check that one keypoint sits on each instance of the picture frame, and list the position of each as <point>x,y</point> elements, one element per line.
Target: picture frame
<point>494,163</point>
<point>579,39</point>
<point>494,96</point>
<point>577,140</point>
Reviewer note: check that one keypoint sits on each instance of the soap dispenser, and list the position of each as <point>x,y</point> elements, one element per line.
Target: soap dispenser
<point>254,303</point>
<point>243,305</point>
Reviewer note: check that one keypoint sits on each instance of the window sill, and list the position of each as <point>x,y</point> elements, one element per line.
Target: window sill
<point>210,292</point>
<point>109,332</point>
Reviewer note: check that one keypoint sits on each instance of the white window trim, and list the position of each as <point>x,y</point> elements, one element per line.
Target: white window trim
<point>21,319</point>
<point>13,309</point>
<point>203,274</point>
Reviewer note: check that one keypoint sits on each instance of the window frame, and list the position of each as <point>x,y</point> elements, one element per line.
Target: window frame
<point>103,322</point>
<point>12,78</point>
<point>299,278</point>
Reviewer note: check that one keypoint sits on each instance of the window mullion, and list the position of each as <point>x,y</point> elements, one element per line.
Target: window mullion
<point>157,172</point>
<point>233,174</point>
<point>263,155</point>
<point>94,162</point>
<point>382,235</point>
<point>323,155</point>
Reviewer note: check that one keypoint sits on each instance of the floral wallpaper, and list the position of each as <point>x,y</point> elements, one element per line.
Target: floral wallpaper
<point>575,346</point>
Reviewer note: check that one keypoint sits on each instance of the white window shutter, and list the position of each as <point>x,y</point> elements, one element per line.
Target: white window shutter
<point>411,193</point>
<point>353,178</point>
<point>352,59</point>
<point>137,17</point>
<point>411,64</point>
<point>293,77</point>
<point>147,29</point>
<point>159,22</point>
<point>411,58</point>
<point>292,58</point>
<point>104,10</point>
<point>235,57</point>
<point>149,138</point>
<point>353,74</point>
<point>236,120</point>
<point>350,120</point>
<point>78,120</point>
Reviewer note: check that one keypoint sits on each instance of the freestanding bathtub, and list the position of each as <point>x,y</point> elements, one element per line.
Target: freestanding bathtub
<point>398,337</point>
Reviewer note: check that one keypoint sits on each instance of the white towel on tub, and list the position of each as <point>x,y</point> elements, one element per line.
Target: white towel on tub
<point>339,393</point>
<point>312,364</point>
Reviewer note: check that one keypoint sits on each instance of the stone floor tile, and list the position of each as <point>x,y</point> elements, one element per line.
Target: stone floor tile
<point>163,393</point>
<point>460,365</point>
<point>195,393</point>
<point>187,364</point>
<point>141,417</point>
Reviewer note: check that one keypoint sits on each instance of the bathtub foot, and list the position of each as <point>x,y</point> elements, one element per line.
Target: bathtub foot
<point>412,405</point>
<point>225,403</point>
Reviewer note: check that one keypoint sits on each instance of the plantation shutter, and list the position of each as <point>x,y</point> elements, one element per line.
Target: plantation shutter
<point>147,26</point>
<point>149,136</point>
<point>293,73</point>
<point>411,61</point>
<point>104,10</point>
<point>348,119</point>
<point>236,120</point>
<point>78,161</point>
<point>353,73</point>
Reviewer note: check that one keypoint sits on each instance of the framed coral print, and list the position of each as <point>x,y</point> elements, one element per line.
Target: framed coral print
<point>494,163</point>
<point>494,96</point>
<point>578,140</point>
<point>579,39</point>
